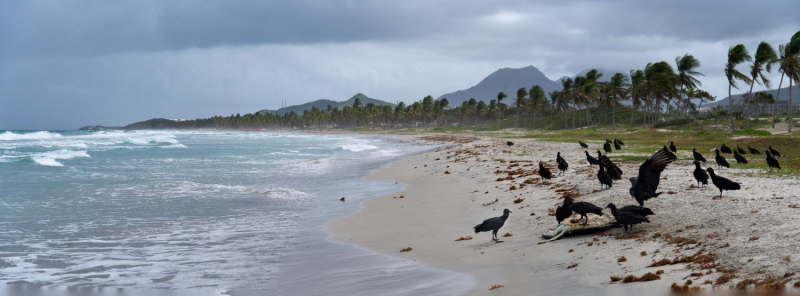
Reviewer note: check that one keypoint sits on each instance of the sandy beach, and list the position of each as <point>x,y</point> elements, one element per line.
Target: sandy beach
<point>748,235</point>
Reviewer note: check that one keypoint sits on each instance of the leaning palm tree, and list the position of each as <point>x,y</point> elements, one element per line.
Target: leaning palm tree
<point>686,66</point>
<point>737,54</point>
<point>780,62</point>
<point>566,94</point>
<point>500,106</point>
<point>763,59</point>
<point>617,87</point>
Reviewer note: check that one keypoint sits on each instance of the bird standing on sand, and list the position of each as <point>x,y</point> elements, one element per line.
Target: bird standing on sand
<point>740,150</point>
<point>592,160</point>
<point>772,162</point>
<point>644,186</point>
<point>616,146</point>
<point>544,172</point>
<point>698,156</point>
<point>725,149</point>
<point>627,218</point>
<point>562,163</point>
<point>584,208</point>
<point>583,144</point>
<point>722,183</point>
<point>493,225</point>
<point>606,147</point>
<point>753,151</point>
<point>774,152</point>
<point>509,143</point>
<point>721,161</point>
<point>603,177</point>
<point>672,147</point>
<point>700,174</point>
<point>739,158</point>
<point>563,212</point>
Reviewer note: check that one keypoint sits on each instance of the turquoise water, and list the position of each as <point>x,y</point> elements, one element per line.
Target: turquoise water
<point>213,211</point>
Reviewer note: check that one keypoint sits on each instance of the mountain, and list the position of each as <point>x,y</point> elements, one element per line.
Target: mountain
<point>738,97</point>
<point>509,80</point>
<point>322,104</point>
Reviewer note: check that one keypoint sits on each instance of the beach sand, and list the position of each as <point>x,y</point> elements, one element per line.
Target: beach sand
<point>748,234</point>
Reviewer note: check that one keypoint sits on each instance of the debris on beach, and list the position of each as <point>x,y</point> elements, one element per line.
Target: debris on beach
<point>408,249</point>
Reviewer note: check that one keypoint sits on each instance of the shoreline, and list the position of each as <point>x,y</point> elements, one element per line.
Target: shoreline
<point>438,207</point>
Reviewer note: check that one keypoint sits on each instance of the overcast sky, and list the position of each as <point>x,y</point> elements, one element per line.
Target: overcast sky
<point>66,64</point>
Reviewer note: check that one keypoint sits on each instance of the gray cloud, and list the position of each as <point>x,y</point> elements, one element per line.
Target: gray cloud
<point>67,64</point>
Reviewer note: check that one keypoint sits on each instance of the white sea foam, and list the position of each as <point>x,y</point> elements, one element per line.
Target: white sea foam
<point>9,136</point>
<point>358,145</point>
<point>50,158</point>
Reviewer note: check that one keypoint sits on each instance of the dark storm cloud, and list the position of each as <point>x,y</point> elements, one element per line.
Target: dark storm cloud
<point>64,64</point>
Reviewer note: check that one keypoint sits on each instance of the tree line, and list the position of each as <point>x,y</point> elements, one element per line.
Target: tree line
<point>655,93</point>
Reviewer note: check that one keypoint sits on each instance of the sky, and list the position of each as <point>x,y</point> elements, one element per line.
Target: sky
<point>67,64</point>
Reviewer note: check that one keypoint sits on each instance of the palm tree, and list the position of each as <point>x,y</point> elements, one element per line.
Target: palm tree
<point>617,86</point>
<point>442,105</point>
<point>659,80</point>
<point>500,97</point>
<point>560,103</point>
<point>736,55</point>
<point>521,94</point>
<point>536,102</point>
<point>791,67</point>
<point>635,88</point>
<point>780,61</point>
<point>686,66</point>
<point>764,58</point>
<point>566,94</point>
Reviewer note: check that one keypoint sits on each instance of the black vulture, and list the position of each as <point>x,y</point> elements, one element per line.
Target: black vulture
<point>698,156</point>
<point>644,186</point>
<point>544,172</point>
<point>600,156</point>
<point>626,218</point>
<point>721,161</point>
<point>584,208</point>
<point>493,225</point>
<point>583,144</point>
<point>739,158</point>
<point>725,149</point>
<point>509,143</point>
<point>620,142</point>
<point>740,150</point>
<point>639,210</point>
<point>700,174</point>
<point>613,170</point>
<point>606,147</point>
<point>722,183</point>
<point>592,160</point>
<point>559,159</point>
<point>617,147</point>
<point>563,212</point>
<point>608,141</point>
<point>753,151</point>
<point>776,153</point>
<point>604,177</point>
<point>562,166</point>
<point>672,147</point>
<point>772,162</point>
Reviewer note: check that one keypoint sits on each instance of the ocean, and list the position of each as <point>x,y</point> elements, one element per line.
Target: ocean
<point>196,213</point>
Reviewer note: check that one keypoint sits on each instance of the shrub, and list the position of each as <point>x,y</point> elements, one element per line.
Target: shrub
<point>751,132</point>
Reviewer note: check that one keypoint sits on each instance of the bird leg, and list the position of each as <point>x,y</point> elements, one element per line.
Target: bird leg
<point>586,220</point>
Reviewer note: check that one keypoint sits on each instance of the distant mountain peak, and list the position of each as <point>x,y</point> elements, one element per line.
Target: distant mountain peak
<point>324,103</point>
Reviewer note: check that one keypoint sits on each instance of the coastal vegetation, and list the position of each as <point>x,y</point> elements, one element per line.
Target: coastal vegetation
<point>660,95</point>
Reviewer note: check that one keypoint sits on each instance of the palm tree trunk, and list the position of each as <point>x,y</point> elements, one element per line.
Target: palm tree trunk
<point>747,106</point>
<point>614,115</point>
<point>730,105</point>
<point>775,107</point>
<point>790,104</point>
<point>565,119</point>
<point>516,118</point>
<point>573,119</point>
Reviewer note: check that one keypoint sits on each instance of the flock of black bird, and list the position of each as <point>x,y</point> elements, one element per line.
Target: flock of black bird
<point>643,187</point>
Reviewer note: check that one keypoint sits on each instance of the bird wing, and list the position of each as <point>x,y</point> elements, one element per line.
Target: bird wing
<point>650,170</point>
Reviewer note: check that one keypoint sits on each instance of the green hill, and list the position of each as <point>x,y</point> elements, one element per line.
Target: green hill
<point>322,104</point>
